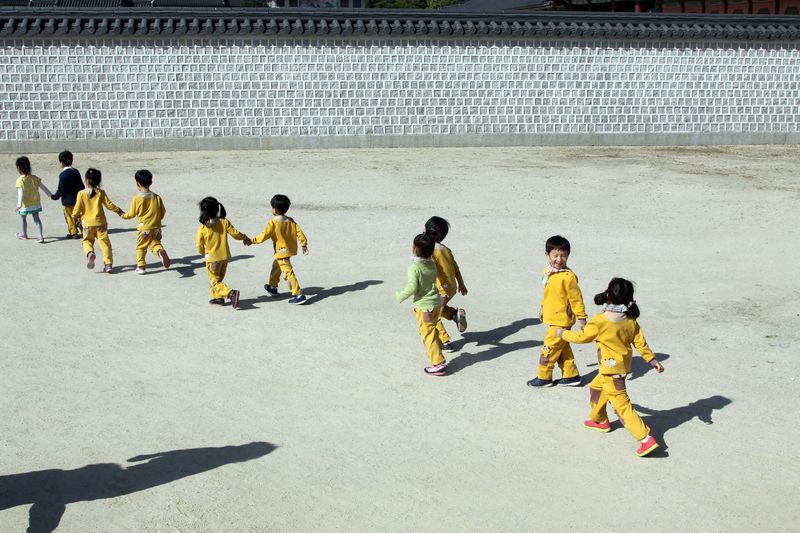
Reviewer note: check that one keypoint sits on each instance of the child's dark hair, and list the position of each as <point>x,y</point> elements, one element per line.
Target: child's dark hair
<point>144,177</point>
<point>211,208</point>
<point>619,292</point>
<point>24,165</point>
<point>556,242</point>
<point>280,203</point>
<point>65,157</point>
<point>424,244</point>
<point>437,228</point>
<point>93,178</point>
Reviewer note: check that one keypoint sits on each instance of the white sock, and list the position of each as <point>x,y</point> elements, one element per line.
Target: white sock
<point>644,439</point>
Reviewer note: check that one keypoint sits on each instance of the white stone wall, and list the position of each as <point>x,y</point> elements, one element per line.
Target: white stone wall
<point>149,88</point>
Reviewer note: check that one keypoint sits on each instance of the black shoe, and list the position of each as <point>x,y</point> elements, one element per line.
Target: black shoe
<point>217,301</point>
<point>234,296</point>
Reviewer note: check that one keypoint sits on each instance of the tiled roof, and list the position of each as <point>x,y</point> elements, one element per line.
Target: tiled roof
<point>18,22</point>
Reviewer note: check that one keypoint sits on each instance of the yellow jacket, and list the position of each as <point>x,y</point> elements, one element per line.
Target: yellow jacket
<point>148,208</point>
<point>91,209</point>
<point>614,339</point>
<point>284,233</point>
<point>212,239</point>
<point>446,269</point>
<point>562,300</point>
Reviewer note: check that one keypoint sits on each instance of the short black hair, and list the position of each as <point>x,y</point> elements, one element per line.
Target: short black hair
<point>557,242</point>
<point>424,244</point>
<point>65,157</point>
<point>144,177</point>
<point>280,203</point>
<point>24,165</point>
<point>437,228</point>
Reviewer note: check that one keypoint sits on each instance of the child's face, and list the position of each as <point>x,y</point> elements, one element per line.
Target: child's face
<point>557,258</point>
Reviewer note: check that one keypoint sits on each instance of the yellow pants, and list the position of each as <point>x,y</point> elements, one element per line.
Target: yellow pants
<point>216,273</point>
<point>101,234</point>
<point>607,389</point>
<point>284,266</point>
<point>72,228</point>
<point>447,313</point>
<point>426,320</point>
<point>145,239</point>
<point>556,350</point>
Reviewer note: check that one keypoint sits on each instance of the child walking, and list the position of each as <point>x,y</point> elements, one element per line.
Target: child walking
<point>427,305</point>
<point>212,242</point>
<point>149,210</point>
<point>69,184</point>
<point>448,280</point>
<point>284,233</point>
<point>614,331</point>
<point>89,210</point>
<point>28,199</point>
<point>562,302</point>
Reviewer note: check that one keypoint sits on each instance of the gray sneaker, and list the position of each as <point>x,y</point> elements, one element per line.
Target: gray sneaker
<point>461,320</point>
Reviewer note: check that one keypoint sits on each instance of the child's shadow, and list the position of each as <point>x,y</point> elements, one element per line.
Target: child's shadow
<point>492,339</point>
<point>662,421</point>
<point>51,490</point>
<point>120,230</point>
<point>638,368</point>
<point>189,265</point>
<point>313,294</point>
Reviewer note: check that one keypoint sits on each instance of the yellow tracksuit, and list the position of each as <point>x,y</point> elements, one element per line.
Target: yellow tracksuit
<point>284,233</point>
<point>446,269</point>
<point>614,333</point>
<point>72,228</point>
<point>95,227</point>
<point>149,210</point>
<point>561,304</point>
<point>212,241</point>
<point>427,306</point>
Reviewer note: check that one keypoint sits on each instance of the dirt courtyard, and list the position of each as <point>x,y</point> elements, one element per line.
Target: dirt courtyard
<point>129,404</point>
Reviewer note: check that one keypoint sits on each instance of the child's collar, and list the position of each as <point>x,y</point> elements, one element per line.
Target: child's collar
<point>550,269</point>
<point>416,259</point>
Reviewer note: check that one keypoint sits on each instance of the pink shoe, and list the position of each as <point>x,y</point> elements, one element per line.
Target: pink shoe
<point>603,427</point>
<point>437,370</point>
<point>162,253</point>
<point>90,258</point>
<point>21,236</point>
<point>647,446</point>
<point>40,240</point>
<point>108,268</point>
<point>140,270</point>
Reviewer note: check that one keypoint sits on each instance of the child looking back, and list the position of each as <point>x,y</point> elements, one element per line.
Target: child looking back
<point>448,280</point>
<point>69,184</point>
<point>89,209</point>
<point>149,210</point>
<point>562,302</point>
<point>28,199</point>
<point>284,233</point>
<point>212,242</point>
<point>614,331</point>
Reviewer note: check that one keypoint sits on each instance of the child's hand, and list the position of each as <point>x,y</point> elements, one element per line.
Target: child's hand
<point>463,290</point>
<point>305,250</point>
<point>248,241</point>
<point>540,314</point>
<point>658,366</point>
<point>120,212</point>
<point>559,332</point>
<point>16,209</point>
<point>582,323</point>
<point>53,197</point>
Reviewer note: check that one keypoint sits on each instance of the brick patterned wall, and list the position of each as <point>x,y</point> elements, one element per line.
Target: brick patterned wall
<point>151,88</point>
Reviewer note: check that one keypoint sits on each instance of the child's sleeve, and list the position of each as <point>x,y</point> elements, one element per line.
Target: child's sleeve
<point>132,211</point>
<point>269,229</point>
<point>79,208</point>
<point>200,241</point>
<point>163,209</point>
<point>109,204</point>
<point>301,236</point>
<point>233,232</point>
<point>43,187</point>
<point>575,298</point>
<point>411,287</point>
<point>60,189</point>
<point>640,343</point>
<point>588,334</point>
<point>20,194</point>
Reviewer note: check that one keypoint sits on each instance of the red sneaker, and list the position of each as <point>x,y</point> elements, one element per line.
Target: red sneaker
<point>603,427</point>
<point>162,253</point>
<point>647,446</point>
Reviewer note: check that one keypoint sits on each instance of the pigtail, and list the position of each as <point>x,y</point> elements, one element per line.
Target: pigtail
<point>209,209</point>
<point>222,213</point>
<point>600,298</point>
<point>633,311</point>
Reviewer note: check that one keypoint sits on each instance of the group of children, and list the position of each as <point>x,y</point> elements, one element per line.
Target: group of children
<point>434,278</point>
<point>86,219</point>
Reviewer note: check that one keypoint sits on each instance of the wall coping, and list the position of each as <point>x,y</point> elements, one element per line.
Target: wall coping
<point>299,23</point>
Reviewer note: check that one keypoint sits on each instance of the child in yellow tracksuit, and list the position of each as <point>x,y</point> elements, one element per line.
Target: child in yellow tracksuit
<point>89,210</point>
<point>448,280</point>
<point>422,286</point>
<point>212,241</point>
<point>562,302</point>
<point>284,233</point>
<point>614,331</point>
<point>149,210</point>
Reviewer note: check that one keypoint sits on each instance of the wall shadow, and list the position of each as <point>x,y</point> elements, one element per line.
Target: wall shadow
<point>493,339</point>
<point>50,491</point>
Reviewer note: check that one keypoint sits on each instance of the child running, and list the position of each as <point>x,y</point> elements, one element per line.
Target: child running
<point>448,280</point>
<point>149,210</point>
<point>28,199</point>
<point>284,233</point>
<point>69,184</point>
<point>89,210</point>
<point>562,302</point>
<point>614,330</point>
<point>212,241</point>
<point>422,286</point>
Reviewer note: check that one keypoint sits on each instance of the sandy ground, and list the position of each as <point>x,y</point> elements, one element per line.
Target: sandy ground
<point>129,404</point>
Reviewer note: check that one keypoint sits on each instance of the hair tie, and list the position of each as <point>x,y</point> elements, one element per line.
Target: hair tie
<point>633,302</point>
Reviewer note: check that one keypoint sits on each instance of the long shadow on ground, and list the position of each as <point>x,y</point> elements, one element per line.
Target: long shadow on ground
<point>51,490</point>
<point>638,368</point>
<point>493,340</point>
<point>190,266</point>
<point>313,294</point>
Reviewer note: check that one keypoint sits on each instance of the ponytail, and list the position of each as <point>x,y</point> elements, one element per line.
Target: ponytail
<point>210,208</point>
<point>93,178</point>
<point>600,298</point>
